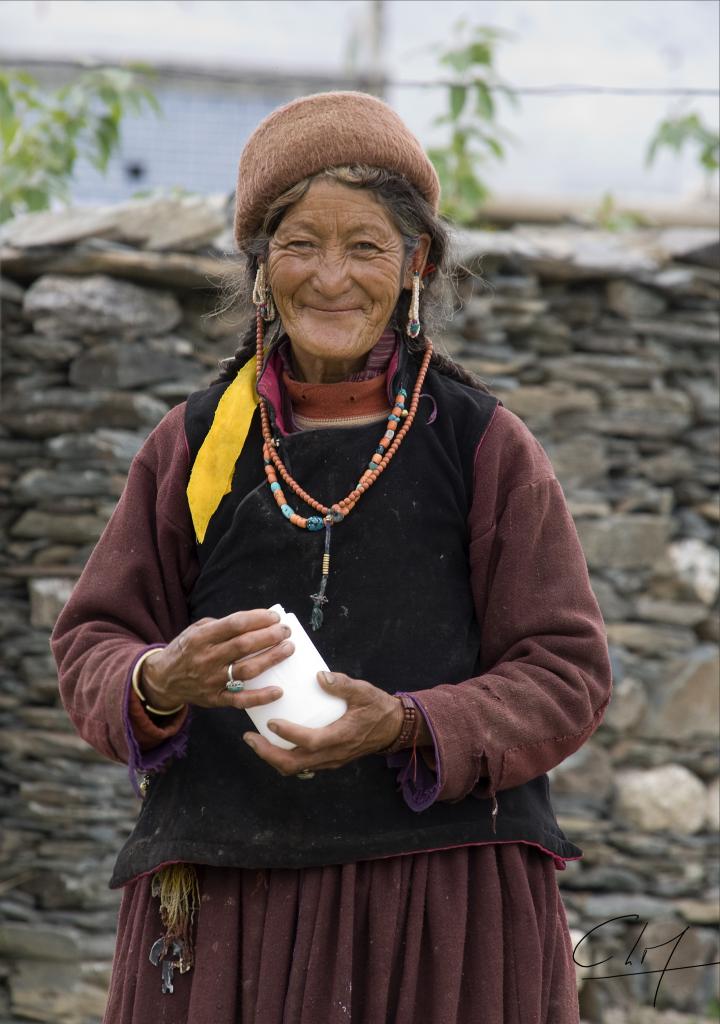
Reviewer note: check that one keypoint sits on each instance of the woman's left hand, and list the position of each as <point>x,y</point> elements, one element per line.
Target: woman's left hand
<point>373,721</point>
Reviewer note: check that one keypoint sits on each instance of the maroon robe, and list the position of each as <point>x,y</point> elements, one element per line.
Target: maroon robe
<point>455,936</point>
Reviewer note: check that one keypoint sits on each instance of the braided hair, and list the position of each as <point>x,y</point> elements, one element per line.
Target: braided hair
<point>412,215</point>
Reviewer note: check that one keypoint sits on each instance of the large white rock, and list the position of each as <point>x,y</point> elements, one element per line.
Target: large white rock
<point>669,798</point>
<point>47,599</point>
<point>697,564</point>
<point>712,816</point>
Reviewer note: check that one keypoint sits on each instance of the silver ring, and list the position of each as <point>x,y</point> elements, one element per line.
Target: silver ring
<point>233,685</point>
<point>305,773</point>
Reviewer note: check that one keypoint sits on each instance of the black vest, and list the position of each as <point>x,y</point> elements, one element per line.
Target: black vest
<point>400,615</point>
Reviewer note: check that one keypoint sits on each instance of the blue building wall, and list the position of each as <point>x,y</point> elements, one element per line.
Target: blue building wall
<point>194,144</point>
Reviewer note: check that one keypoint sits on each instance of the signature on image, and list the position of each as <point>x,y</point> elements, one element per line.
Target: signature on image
<point>676,939</point>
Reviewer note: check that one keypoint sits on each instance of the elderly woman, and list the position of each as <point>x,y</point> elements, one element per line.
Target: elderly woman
<point>398,865</point>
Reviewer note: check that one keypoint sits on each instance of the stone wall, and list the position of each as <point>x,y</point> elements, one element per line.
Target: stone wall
<point>605,344</point>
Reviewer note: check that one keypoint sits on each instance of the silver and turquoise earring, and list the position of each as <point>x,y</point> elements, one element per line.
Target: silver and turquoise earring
<point>413,324</point>
<point>262,296</point>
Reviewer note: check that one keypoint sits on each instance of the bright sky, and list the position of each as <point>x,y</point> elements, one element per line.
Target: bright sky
<point>578,145</point>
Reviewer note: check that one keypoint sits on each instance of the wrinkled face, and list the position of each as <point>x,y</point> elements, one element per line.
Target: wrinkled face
<point>336,268</point>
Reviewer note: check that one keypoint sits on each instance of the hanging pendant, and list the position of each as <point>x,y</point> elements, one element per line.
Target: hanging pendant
<point>319,599</point>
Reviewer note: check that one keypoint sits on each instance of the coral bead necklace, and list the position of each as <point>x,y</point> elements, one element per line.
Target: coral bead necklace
<point>330,516</point>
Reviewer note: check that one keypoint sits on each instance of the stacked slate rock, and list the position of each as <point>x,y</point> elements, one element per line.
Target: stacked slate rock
<point>606,344</point>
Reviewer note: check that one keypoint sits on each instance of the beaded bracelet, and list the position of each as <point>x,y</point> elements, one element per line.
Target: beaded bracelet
<point>141,695</point>
<point>408,733</point>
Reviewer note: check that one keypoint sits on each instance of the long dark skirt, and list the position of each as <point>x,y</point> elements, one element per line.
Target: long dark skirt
<point>476,934</point>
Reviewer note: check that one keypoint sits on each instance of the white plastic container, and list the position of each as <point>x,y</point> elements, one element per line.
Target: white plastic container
<point>304,702</point>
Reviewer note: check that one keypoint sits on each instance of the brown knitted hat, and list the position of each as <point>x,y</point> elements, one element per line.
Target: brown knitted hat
<point>329,129</point>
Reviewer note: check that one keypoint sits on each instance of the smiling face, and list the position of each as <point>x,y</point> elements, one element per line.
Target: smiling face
<point>336,266</point>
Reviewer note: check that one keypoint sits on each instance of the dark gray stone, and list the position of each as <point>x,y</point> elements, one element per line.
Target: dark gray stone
<point>99,305</point>
<point>605,370</point>
<point>636,413</point>
<point>629,299</point>
<point>687,703</point>
<point>675,331</point>
<point>72,528</point>
<point>587,772</point>
<point>37,943</point>
<point>44,350</point>
<point>624,541</point>
<point>11,292</point>
<point>40,484</point>
<point>66,410</point>
<point>103,446</point>
<point>129,365</point>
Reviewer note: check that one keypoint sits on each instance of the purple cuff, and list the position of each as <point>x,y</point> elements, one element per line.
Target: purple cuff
<point>141,761</point>
<point>420,785</point>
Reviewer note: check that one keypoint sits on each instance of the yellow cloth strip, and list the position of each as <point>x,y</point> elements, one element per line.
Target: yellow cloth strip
<point>212,472</point>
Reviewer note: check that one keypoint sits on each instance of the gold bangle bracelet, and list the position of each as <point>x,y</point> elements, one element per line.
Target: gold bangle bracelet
<point>141,696</point>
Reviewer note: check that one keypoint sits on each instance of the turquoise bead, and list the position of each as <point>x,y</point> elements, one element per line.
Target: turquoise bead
<point>275,486</point>
<point>402,391</point>
<point>286,511</point>
<point>314,523</point>
<point>394,418</point>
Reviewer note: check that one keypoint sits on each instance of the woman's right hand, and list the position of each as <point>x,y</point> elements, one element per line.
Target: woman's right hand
<point>193,668</point>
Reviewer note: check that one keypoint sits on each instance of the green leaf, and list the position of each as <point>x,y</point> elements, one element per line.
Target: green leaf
<point>107,94</point>
<point>140,68</point>
<point>62,154</point>
<point>26,78</point>
<point>481,53</point>
<point>472,134</point>
<point>651,151</point>
<point>438,157</point>
<point>484,103</point>
<point>457,60</point>
<point>152,101</point>
<point>458,140</point>
<point>7,106</point>
<point>709,157</point>
<point>676,133</point>
<point>494,146</point>
<point>9,128</point>
<point>6,210</point>
<point>34,198</point>
<point>458,96</point>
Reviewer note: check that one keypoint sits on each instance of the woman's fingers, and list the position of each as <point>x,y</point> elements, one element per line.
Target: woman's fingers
<point>287,762</point>
<point>218,631</point>
<point>369,725</point>
<point>327,747</point>
<point>250,699</point>
<point>249,668</point>
<point>245,671</point>
<point>195,664</point>
<point>252,642</point>
<point>312,740</point>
